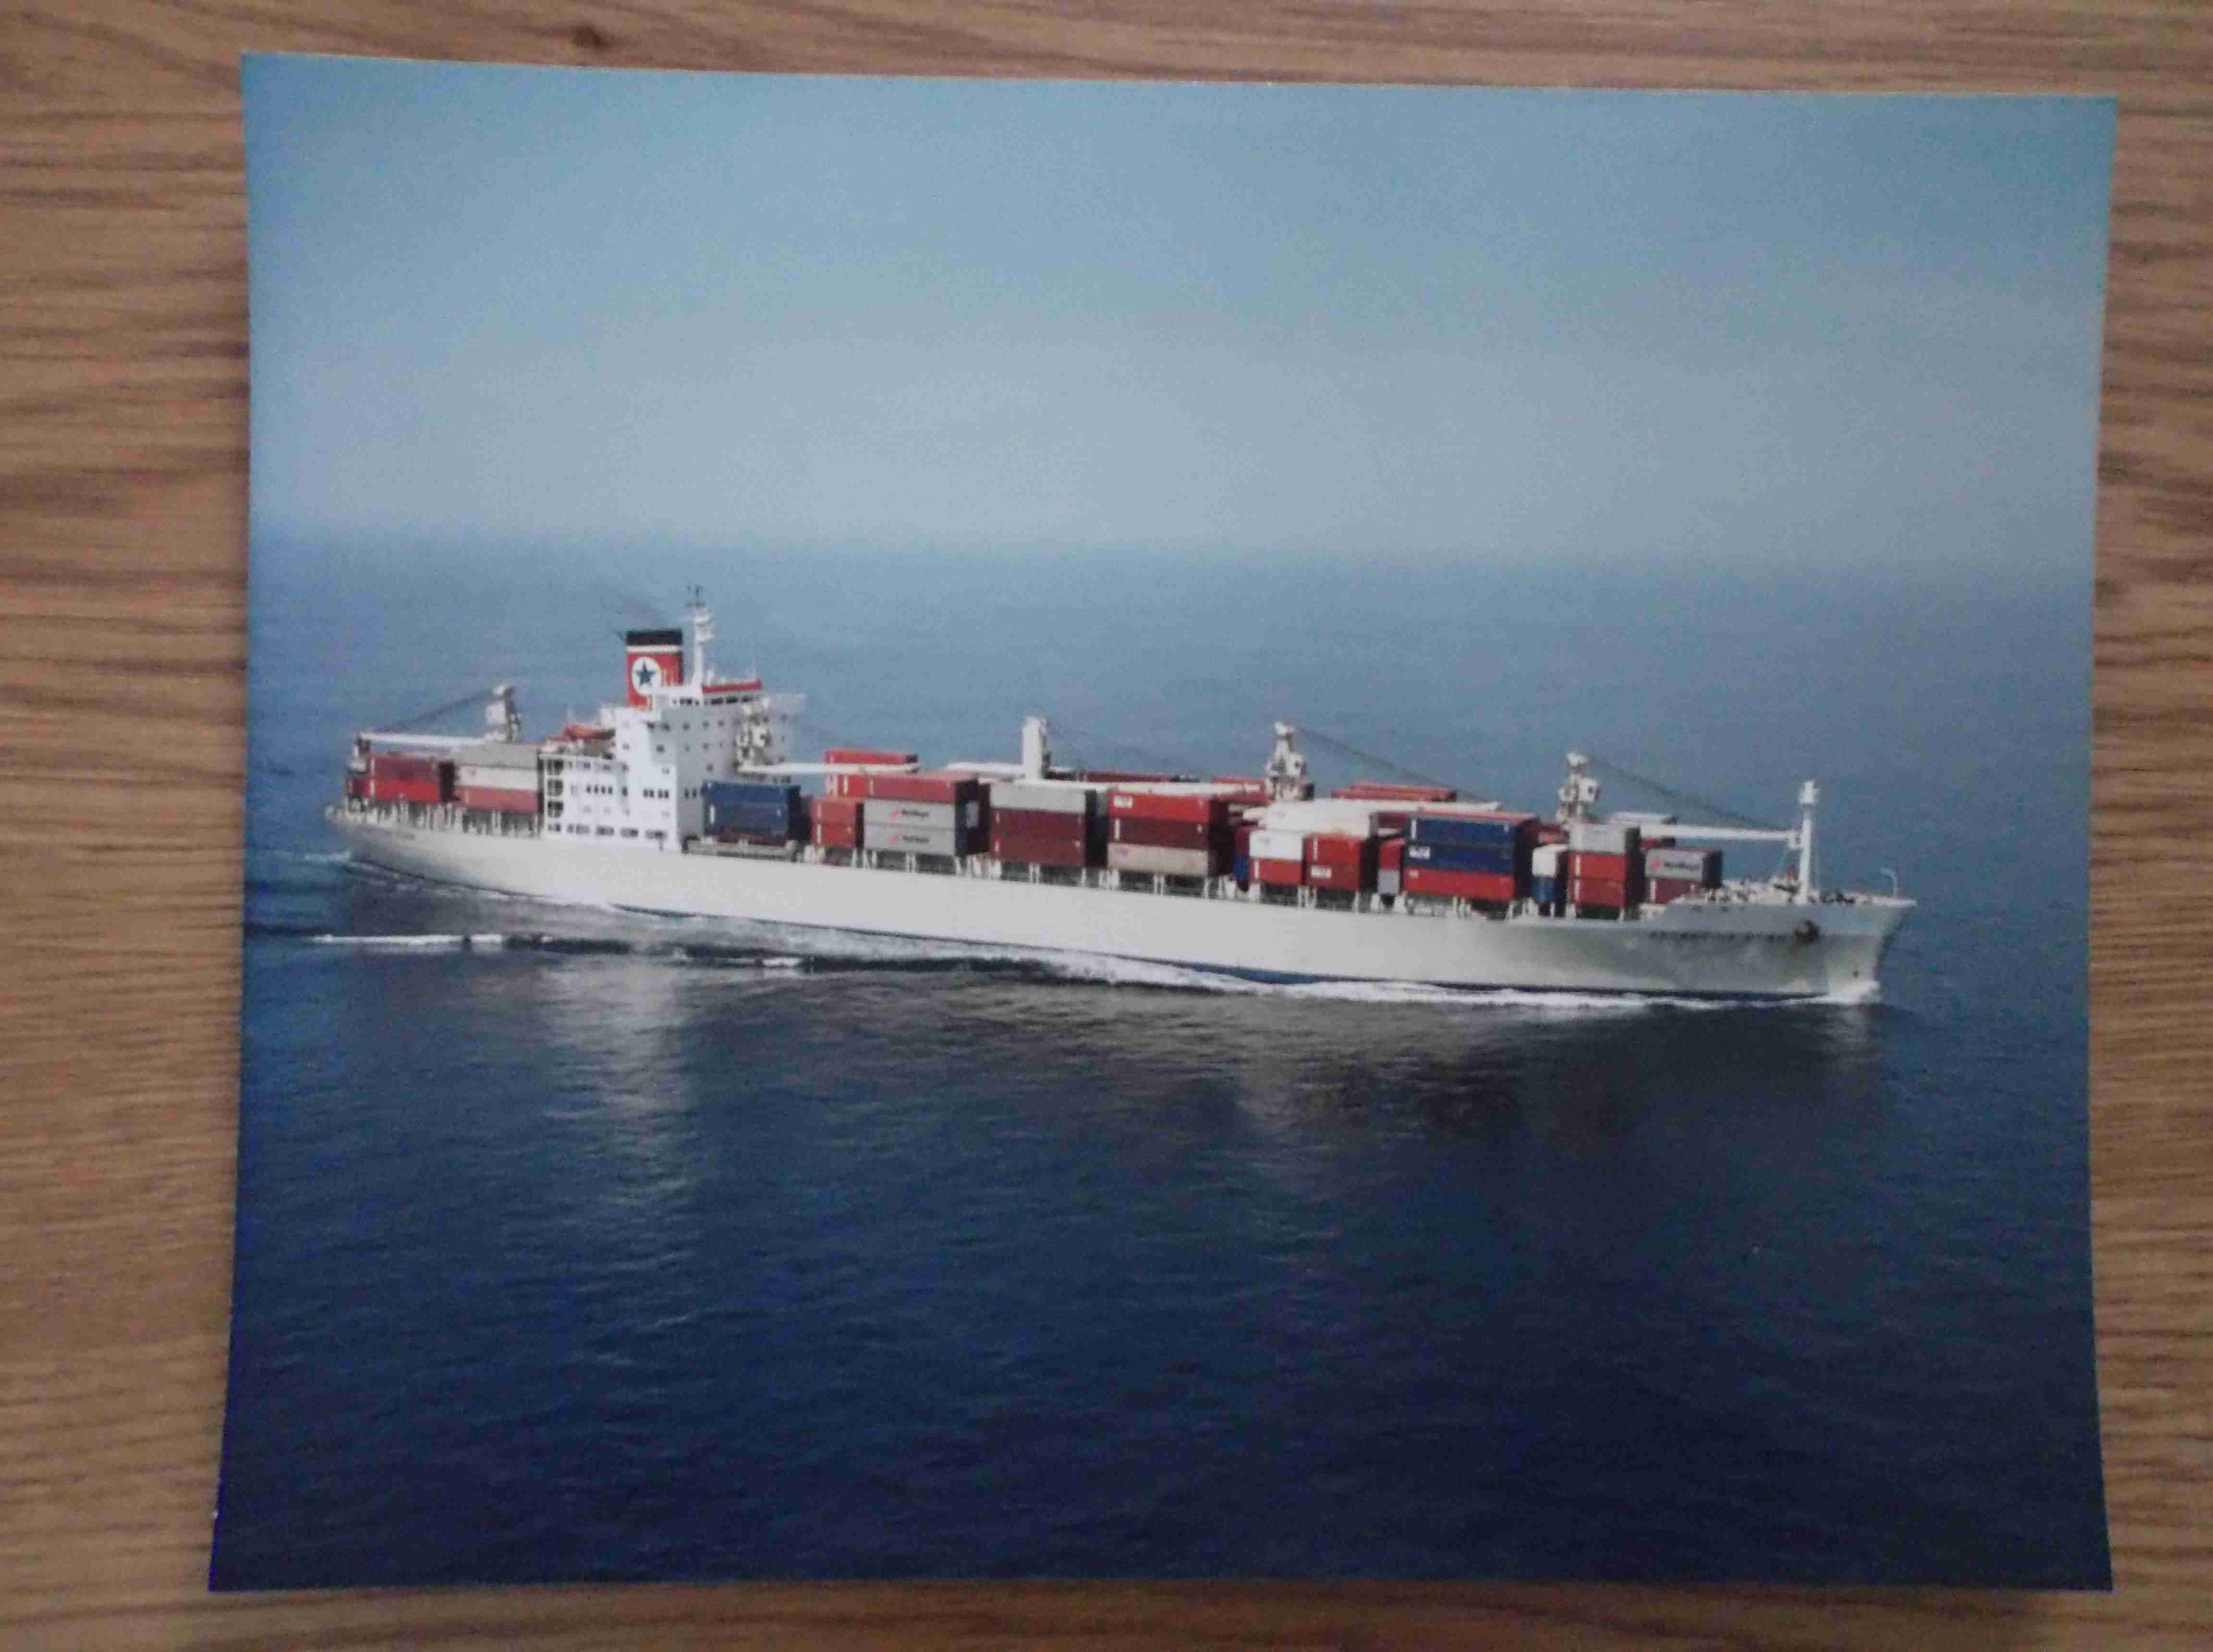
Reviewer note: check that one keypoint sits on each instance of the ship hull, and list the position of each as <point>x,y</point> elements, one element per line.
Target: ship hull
<point>1738,950</point>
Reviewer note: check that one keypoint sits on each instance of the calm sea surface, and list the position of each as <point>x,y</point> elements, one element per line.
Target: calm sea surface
<point>612,1247</point>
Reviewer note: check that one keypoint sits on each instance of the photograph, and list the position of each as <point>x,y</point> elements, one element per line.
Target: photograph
<point>1082,829</point>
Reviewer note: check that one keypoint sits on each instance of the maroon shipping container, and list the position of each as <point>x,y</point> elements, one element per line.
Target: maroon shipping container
<point>1462,886</point>
<point>501,800</point>
<point>1323,875</point>
<point>1658,892</point>
<point>1119,777</point>
<point>838,834</point>
<point>1240,787</point>
<point>861,754</point>
<point>834,811</point>
<point>1292,873</point>
<point>1390,854</point>
<point>1166,834</point>
<point>1038,850</point>
<point>1597,892</point>
<point>917,788</point>
<point>1168,805</point>
<point>1040,823</point>
<point>1376,791</point>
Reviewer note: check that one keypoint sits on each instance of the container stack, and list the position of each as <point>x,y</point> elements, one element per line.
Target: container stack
<point>1670,874</point>
<point>1173,834</point>
<point>920,814</point>
<point>1546,885</point>
<point>1036,825</point>
<point>1390,865</point>
<point>498,777</point>
<point>861,754</point>
<point>1276,859</point>
<point>836,821</point>
<point>1605,865</point>
<point>397,778</point>
<point>764,812</point>
<point>1469,857</point>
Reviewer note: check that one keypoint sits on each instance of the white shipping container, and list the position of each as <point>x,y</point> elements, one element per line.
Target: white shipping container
<point>1169,862</point>
<point>1276,846</point>
<point>496,779</point>
<point>930,817</point>
<point>1054,800</point>
<point>509,755</point>
<point>891,836</point>
<point>1677,863</point>
<point>1601,837</point>
<point>1545,860</point>
<point>1387,883</point>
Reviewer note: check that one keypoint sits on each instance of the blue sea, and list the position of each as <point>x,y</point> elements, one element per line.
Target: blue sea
<point>575,1245</point>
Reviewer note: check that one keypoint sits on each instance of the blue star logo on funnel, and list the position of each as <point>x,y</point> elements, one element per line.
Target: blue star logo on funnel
<point>646,673</point>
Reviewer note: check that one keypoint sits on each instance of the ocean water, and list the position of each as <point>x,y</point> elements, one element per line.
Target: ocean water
<point>579,1245</point>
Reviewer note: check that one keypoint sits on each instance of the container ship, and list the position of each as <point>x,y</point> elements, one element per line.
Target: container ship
<point>684,799</point>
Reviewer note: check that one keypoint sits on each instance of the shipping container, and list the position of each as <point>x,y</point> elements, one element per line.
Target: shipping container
<point>1390,854</point>
<point>1321,874</point>
<point>1386,881</point>
<point>1268,870</point>
<point>1658,892</point>
<point>1340,863</point>
<point>1545,890</point>
<point>1471,829</point>
<point>1463,886</point>
<point>913,840</point>
<point>1550,831</point>
<point>1544,859</point>
<point>1055,850</point>
<point>1603,837</point>
<point>1038,823</point>
<point>1597,892</point>
<point>1171,862</point>
<point>1030,798</point>
<point>1699,866</point>
<point>1277,846</point>
<point>834,811</point>
<point>498,800</point>
<point>1166,834</point>
<point>1241,788</point>
<point>929,816</point>
<point>1498,860</point>
<point>863,754</point>
<point>1585,863</point>
<point>838,834</point>
<point>1167,806</point>
<point>914,787</point>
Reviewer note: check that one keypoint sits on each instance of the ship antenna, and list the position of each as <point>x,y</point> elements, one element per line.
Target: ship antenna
<point>703,630</point>
<point>1579,791</point>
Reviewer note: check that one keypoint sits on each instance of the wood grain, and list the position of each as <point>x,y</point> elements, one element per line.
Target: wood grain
<point>122,651</point>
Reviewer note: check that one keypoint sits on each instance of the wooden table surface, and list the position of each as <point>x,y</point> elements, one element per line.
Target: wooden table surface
<point>122,696</point>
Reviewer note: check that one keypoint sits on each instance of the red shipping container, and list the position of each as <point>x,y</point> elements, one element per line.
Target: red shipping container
<point>1376,791</point>
<point>1464,885</point>
<point>1038,851</point>
<point>838,834</point>
<point>1166,834</point>
<point>1322,875</point>
<point>1658,892</point>
<point>1589,863</point>
<point>841,811</point>
<point>1040,823</point>
<point>1597,892</point>
<point>1334,849</point>
<point>1168,805</point>
<point>1390,854</point>
<point>861,754</point>
<point>1241,788</point>
<point>384,789</point>
<point>500,799</point>
<point>1120,776</point>
<point>919,788</point>
<point>1293,872</point>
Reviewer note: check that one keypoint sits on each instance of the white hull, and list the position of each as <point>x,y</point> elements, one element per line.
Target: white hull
<point>1740,950</point>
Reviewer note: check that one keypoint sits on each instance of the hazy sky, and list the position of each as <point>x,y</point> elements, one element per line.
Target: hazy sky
<point>499,307</point>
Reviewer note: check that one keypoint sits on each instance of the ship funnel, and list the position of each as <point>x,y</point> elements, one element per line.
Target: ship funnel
<point>652,659</point>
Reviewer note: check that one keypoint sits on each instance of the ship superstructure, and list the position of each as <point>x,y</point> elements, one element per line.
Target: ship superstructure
<point>683,798</point>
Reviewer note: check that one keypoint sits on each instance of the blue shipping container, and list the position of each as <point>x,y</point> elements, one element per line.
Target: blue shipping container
<point>1461,829</point>
<point>749,792</point>
<point>1546,892</point>
<point>1500,860</point>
